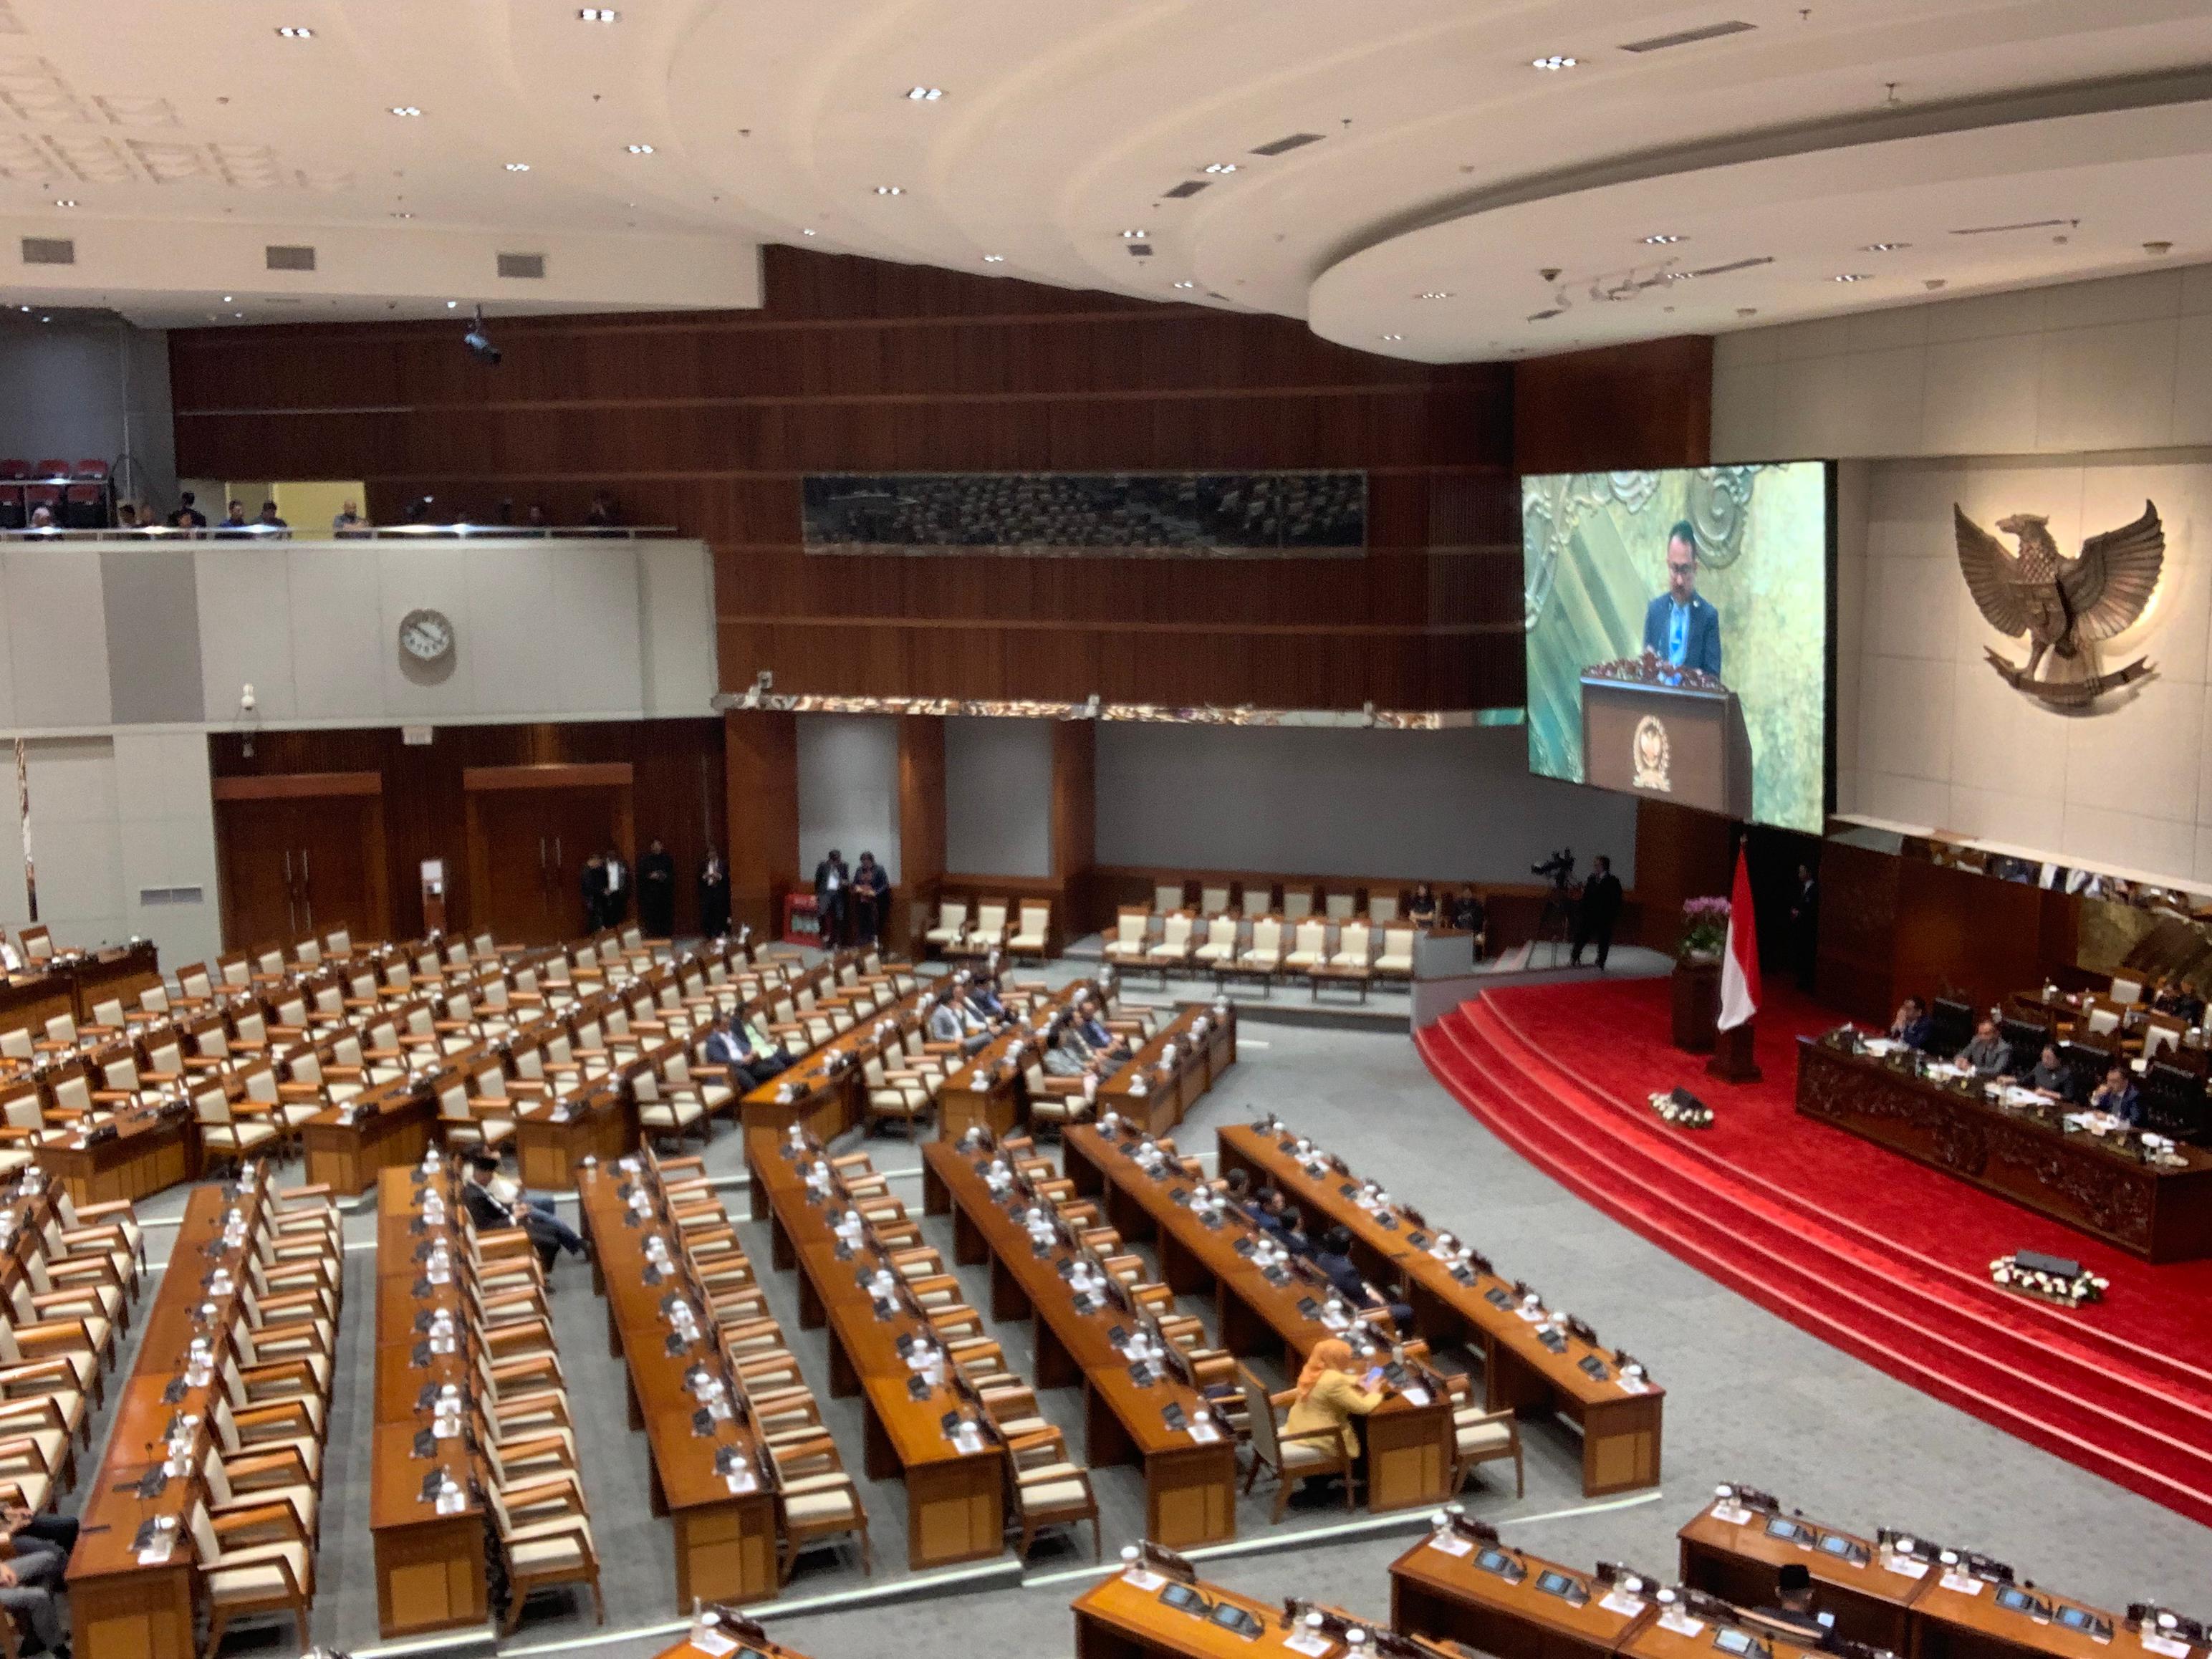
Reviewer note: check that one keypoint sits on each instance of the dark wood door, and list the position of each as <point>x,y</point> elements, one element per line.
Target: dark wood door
<point>514,900</point>
<point>260,902</point>
<point>580,822</point>
<point>339,883</point>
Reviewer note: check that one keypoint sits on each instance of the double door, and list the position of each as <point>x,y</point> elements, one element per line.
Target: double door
<point>301,855</point>
<point>531,830</point>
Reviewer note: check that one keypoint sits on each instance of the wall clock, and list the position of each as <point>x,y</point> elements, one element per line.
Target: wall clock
<point>427,635</point>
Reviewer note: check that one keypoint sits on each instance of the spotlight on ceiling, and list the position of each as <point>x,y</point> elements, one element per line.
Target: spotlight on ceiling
<point>1556,61</point>
<point>1134,235</point>
<point>597,14</point>
<point>405,109</point>
<point>517,166</point>
<point>640,150</point>
<point>1661,240</point>
<point>994,258</point>
<point>1852,277</point>
<point>295,32</point>
<point>1221,166</point>
<point>890,189</point>
<point>924,95</point>
<point>479,343</point>
<point>1884,247</point>
<point>1186,284</point>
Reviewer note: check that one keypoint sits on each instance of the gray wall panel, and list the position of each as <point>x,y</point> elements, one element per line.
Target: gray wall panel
<point>847,789</point>
<point>998,797</point>
<point>152,663</point>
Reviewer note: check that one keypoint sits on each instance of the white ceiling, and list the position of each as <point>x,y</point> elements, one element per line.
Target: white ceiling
<point>1445,162</point>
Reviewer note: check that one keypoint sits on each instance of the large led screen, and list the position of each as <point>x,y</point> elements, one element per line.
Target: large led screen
<point>1677,628</point>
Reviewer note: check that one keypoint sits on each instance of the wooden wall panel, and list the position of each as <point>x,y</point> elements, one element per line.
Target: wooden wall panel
<point>922,816</point>
<point>1646,404</point>
<point>676,767</point>
<point>1681,854</point>
<point>707,421</point>
<point>763,752</point>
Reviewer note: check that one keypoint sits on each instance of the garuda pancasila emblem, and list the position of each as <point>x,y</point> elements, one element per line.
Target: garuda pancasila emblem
<point>2063,605</point>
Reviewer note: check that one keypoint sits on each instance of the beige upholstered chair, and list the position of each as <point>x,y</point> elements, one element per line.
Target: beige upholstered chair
<point>1396,961</point>
<point>1311,950</point>
<point>1030,940</point>
<point>1044,1489</point>
<point>554,1549</point>
<point>817,1506</point>
<point>1309,1454</point>
<point>1214,900</point>
<point>1337,906</point>
<point>1256,900</point>
<point>904,1099</point>
<point>1217,951</point>
<point>223,1135</point>
<point>1265,954</point>
<point>1382,909</point>
<point>1175,943</point>
<point>951,924</point>
<point>1167,895</point>
<point>253,1578</point>
<point>1297,903</point>
<point>1481,1437</point>
<point>989,932</point>
<point>2126,991</point>
<point>1132,931</point>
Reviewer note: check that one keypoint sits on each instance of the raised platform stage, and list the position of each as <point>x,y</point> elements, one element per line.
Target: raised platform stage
<point>1884,1258</point>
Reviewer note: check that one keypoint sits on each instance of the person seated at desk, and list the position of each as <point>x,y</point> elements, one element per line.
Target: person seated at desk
<point>1066,1056</point>
<point>1988,1054</point>
<point>1290,1225</point>
<point>2172,997</point>
<point>24,1534</point>
<point>481,1193</point>
<point>1099,1036</point>
<point>2052,1076</point>
<point>1913,1027</point>
<point>29,1584</point>
<point>1333,1258</point>
<point>950,1022</point>
<point>1328,1396</point>
<point>751,1055</point>
<point>1793,1606</point>
<point>983,1002</point>
<point>2118,1094</point>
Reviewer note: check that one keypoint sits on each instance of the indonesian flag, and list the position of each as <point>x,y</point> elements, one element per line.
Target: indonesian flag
<point>1740,962</point>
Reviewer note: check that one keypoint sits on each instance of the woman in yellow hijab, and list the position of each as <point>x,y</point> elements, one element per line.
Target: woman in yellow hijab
<point>1328,1397</point>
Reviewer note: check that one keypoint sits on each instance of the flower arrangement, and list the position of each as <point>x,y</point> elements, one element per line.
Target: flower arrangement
<point>1682,1114</point>
<point>1704,929</point>
<point>2083,1286</point>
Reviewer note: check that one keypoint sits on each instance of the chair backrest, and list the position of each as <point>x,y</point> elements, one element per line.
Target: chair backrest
<point>20,1102</point>
<point>108,1011</point>
<point>952,913</point>
<point>18,1043</point>
<point>193,981</point>
<point>38,943</point>
<point>211,1104</point>
<point>1166,897</point>
<point>1036,917</point>
<point>73,1091</point>
<point>1212,900</point>
<point>1337,906</point>
<point>1297,902</point>
<point>1261,1412</point>
<point>1398,942</point>
<point>1382,909</point>
<point>1176,930</point>
<point>1267,936</point>
<point>1258,900</point>
<point>990,916</point>
<point>1129,928</point>
<point>2104,1020</point>
<point>2162,1031</point>
<point>237,969</point>
<point>1313,935</point>
<point>2126,992</point>
<point>271,960</point>
<point>338,942</point>
<point>1355,940</point>
<point>309,953</point>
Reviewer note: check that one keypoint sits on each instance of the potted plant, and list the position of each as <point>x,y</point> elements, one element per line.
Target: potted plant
<point>1698,973</point>
<point>1705,931</point>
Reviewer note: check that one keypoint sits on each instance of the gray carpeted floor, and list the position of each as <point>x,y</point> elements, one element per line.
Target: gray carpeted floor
<point>1750,1398</point>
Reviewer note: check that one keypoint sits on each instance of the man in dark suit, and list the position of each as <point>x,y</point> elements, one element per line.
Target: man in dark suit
<point>1681,629</point>
<point>833,890</point>
<point>1805,927</point>
<point>1913,1027</point>
<point>593,883</point>
<point>656,892</point>
<point>1598,911</point>
<point>2118,1096</point>
<point>713,896</point>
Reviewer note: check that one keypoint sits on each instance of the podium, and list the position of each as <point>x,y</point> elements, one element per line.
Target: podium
<point>1685,743</point>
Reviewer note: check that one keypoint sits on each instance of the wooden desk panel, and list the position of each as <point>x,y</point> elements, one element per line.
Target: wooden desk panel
<point>1954,1624</point>
<point>1117,1619</point>
<point>1621,1431</point>
<point>725,1542</point>
<point>1190,1495</point>
<point>1254,1315</point>
<point>389,1128</point>
<point>549,1149</point>
<point>149,1153</point>
<point>955,1502</point>
<point>1740,1561</point>
<point>1163,1102</point>
<point>1656,1639</point>
<point>1437,1592</point>
<point>2162,1215</point>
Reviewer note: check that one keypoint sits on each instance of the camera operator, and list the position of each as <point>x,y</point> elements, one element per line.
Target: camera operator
<point>1599,910</point>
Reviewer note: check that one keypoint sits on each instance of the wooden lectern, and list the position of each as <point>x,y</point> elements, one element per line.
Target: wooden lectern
<point>1685,743</point>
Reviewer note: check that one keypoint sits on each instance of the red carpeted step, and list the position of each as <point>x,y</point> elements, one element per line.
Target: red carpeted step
<point>2128,1414</point>
<point>2084,1336</point>
<point>1801,1284</point>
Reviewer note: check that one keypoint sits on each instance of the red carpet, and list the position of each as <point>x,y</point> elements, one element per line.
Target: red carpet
<point>1885,1259</point>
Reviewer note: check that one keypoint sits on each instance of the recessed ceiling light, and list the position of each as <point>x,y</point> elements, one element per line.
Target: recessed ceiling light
<point>226,299</point>
<point>234,313</point>
<point>1852,277</point>
<point>994,258</point>
<point>1661,241</point>
<point>65,201</point>
<point>1221,166</point>
<point>810,232</point>
<point>402,216</point>
<point>1436,294</point>
<point>597,14</point>
<point>1134,235</point>
<point>452,305</point>
<point>890,189</point>
<point>1884,247</point>
<point>1554,62</point>
<point>641,149</point>
<point>1393,337</point>
<point>405,109</point>
<point>1186,284</point>
<point>517,166</point>
<point>924,95</point>
<point>295,32</point>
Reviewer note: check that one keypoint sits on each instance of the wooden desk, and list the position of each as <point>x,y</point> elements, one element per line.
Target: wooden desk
<point>2163,1215</point>
<point>1118,1619</point>
<point>1164,1101</point>
<point>1449,1592</point>
<point>1739,1560</point>
<point>387,1127</point>
<point>749,1647</point>
<point>552,1139</point>
<point>74,983</point>
<point>726,1541</point>
<point>1621,1430</point>
<point>151,1152</point>
<point>429,1567</point>
<point>955,1504</point>
<point>1190,1489</point>
<point>121,1609</point>
<point>1657,1638</point>
<point>1410,1448</point>
<point>1955,1623</point>
<point>1001,1105</point>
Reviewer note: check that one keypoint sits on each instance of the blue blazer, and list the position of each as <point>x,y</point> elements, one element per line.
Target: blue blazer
<point>1705,640</point>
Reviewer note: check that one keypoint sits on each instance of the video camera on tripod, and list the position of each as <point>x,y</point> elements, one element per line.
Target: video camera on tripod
<point>1558,869</point>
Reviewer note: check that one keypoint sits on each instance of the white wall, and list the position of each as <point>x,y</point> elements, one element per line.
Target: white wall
<point>848,790</point>
<point>998,797</point>
<point>1444,805</point>
<point>2121,363</point>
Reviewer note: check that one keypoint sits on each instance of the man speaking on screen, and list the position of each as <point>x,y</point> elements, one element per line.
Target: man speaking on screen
<point>1681,629</point>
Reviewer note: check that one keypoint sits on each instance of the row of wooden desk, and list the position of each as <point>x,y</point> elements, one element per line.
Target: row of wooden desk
<point>75,985</point>
<point>2161,1213</point>
<point>955,1501</point>
<point>710,1484</point>
<point>1567,1377</point>
<point>1190,1483</point>
<point>1258,1311</point>
<point>429,1567</point>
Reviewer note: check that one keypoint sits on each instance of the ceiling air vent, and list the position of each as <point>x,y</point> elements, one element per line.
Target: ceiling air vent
<point>1689,37</point>
<point>1734,264</point>
<point>1539,316</point>
<point>1979,230</point>
<point>1296,141</point>
<point>49,250</point>
<point>1140,250</point>
<point>522,264</point>
<point>1188,187</point>
<point>289,259</point>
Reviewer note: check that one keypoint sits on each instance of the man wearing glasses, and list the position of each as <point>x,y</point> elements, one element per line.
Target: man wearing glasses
<point>1681,630</point>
